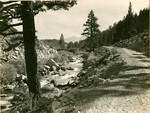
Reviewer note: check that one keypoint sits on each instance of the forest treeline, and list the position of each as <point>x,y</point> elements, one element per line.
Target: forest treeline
<point>132,24</point>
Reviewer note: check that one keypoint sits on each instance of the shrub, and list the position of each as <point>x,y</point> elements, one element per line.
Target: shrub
<point>63,57</point>
<point>8,72</point>
<point>85,55</point>
<point>73,50</point>
<point>19,65</point>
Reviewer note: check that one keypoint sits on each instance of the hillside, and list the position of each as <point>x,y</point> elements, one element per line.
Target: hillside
<point>74,39</point>
<point>52,43</point>
<point>138,43</point>
<point>17,53</point>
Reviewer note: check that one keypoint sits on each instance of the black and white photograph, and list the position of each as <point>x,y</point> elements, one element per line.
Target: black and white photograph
<point>74,56</point>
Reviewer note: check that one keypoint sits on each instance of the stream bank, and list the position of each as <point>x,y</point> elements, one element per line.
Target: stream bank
<point>53,85</point>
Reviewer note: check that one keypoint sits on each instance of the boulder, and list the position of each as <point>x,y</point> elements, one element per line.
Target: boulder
<point>4,95</point>
<point>91,56</point>
<point>54,73</point>
<point>64,100</point>
<point>52,63</point>
<point>81,73</point>
<point>69,110</point>
<point>47,67</point>
<point>48,87</point>
<point>74,82</point>
<point>9,87</point>
<point>70,68</point>
<point>72,59</point>
<point>18,98</point>
<point>63,68</point>
<point>3,107</point>
<point>55,105</point>
<point>76,69</point>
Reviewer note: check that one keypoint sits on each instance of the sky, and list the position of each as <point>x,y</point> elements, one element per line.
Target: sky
<point>51,24</point>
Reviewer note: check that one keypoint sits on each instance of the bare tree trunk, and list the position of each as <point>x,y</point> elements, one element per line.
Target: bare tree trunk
<point>30,52</point>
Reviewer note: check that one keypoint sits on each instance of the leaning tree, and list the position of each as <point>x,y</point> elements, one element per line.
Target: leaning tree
<point>25,12</point>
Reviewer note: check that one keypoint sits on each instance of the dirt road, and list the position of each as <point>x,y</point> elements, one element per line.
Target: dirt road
<point>127,92</point>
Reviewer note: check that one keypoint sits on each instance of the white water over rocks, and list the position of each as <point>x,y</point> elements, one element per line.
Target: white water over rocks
<point>63,78</point>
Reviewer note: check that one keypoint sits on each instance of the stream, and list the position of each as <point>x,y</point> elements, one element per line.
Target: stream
<point>62,79</point>
<point>5,102</point>
<point>50,89</point>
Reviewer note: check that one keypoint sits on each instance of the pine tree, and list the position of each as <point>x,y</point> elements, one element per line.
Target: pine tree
<point>70,45</point>
<point>62,41</point>
<point>128,27</point>
<point>91,30</point>
<point>130,12</point>
<point>25,11</point>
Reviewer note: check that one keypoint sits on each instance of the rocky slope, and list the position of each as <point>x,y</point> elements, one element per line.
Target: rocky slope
<point>138,43</point>
<point>17,53</point>
<point>13,61</point>
<point>99,66</point>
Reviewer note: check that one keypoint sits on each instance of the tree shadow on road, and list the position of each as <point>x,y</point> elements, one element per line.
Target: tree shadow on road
<point>83,97</point>
<point>127,68</point>
<point>145,60</point>
<point>136,78</point>
<point>117,86</point>
<point>132,81</point>
<point>140,57</point>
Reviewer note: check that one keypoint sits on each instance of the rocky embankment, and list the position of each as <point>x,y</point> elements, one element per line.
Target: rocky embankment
<point>138,43</point>
<point>13,87</point>
<point>100,65</point>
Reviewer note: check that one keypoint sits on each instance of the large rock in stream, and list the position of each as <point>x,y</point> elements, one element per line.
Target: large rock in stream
<point>52,64</point>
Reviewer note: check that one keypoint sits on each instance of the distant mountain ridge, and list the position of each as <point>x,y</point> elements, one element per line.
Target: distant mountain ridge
<point>52,43</point>
<point>74,39</point>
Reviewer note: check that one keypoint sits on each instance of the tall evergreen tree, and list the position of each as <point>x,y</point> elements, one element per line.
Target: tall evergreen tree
<point>130,12</point>
<point>128,27</point>
<point>25,11</point>
<point>91,30</point>
<point>62,41</point>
